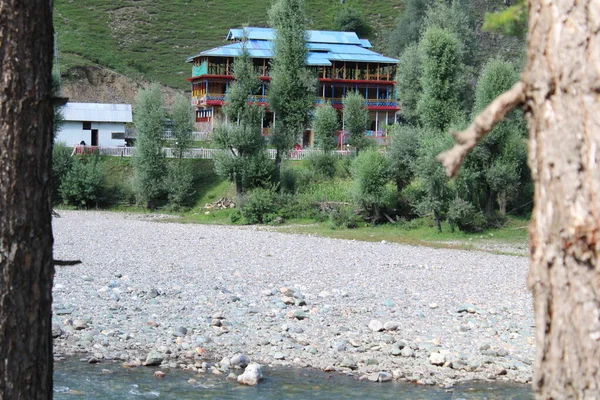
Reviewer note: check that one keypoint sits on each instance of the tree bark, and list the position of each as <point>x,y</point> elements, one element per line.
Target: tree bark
<point>26,269</point>
<point>562,104</point>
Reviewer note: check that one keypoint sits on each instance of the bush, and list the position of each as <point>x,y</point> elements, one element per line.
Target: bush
<point>288,180</point>
<point>371,174</point>
<point>62,162</point>
<point>83,184</point>
<point>464,215</point>
<point>322,165</point>
<point>343,217</point>
<point>257,204</point>
<point>180,183</point>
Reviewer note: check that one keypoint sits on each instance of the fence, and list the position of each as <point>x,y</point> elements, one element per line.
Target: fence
<point>198,152</point>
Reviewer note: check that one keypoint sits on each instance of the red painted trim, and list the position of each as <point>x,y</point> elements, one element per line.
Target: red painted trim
<point>383,108</point>
<point>214,102</point>
<point>228,77</point>
<point>359,81</point>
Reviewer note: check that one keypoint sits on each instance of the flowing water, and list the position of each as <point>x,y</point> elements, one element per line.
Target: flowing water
<point>77,380</point>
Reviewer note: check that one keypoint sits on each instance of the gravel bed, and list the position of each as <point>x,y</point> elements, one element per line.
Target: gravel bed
<point>193,296</point>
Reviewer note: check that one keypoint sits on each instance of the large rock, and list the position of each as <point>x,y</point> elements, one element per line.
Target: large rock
<point>437,359</point>
<point>252,374</point>
<point>376,325</point>
<point>239,361</point>
<point>154,358</point>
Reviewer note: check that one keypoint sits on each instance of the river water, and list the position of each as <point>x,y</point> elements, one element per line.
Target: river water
<point>73,379</point>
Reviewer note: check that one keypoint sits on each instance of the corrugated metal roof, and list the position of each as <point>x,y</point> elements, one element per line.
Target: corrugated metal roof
<point>319,53</point>
<point>254,33</point>
<point>97,112</point>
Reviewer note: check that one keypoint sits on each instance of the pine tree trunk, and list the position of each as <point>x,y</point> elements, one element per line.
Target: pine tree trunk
<point>26,269</point>
<point>563,110</point>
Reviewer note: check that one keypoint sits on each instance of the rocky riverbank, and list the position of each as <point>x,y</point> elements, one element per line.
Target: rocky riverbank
<point>195,296</point>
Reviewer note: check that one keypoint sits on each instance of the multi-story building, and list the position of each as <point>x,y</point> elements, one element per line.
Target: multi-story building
<point>341,61</point>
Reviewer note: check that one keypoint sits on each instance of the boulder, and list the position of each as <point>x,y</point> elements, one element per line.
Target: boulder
<point>252,374</point>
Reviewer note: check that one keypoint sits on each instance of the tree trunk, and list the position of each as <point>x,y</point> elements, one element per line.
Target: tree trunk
<point>490,197</point>
<point>563,111</point>
<point>502,201</point>
<point>26,269</point>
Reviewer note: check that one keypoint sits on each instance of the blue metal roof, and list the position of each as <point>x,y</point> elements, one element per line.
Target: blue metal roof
<point>254,33</point>
<point>322,50</point>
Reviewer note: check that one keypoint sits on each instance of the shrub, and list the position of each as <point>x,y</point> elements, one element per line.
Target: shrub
<point>343,217</point>
<point>83,184</point>
<point>322,165</point>
<point>288,180</point>
<point>464,215</point>
<point>257,204</point>
<point>371,173</point>
<point>180,183</point>
<point>62,162</point>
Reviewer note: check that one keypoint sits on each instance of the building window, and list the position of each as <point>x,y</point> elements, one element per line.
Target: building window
<point>87,126</point>
<point>117,135</point>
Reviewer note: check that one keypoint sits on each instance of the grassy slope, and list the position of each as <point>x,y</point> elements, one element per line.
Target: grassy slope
<point>154,37</point>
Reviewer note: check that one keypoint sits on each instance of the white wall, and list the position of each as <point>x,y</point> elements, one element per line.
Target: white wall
<point>72,133</point>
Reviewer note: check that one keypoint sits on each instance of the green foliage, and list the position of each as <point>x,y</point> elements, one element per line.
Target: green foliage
<point>510,21</point>
<point>292,87</point>
<point>464,215</point>
<point>180,183</point>
<point>408,83</point>
<point>403,153</point>
<point>183,124</point>
<point>408,27</point>
<point>61,165</point>
<point>289,180</point>
<point>246,83</point>
<point>438,105</point>
<point>350,19</point>
<point>355,117</point>
<point>371,173</point>
<point>149,161</point>
<point>325,127</point>
<point>496,168</point>
<point>322,165</point>
<point>82,186</point>
<point>343,217</point>
<point>247,172</point>
<point>258,204</point>
<point>435,185</point>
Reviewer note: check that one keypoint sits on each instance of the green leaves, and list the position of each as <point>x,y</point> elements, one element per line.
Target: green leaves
<point>325,127</point>
<point>356,117</point>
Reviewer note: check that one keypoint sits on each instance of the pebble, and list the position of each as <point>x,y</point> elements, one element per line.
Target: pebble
<point>376,325</point>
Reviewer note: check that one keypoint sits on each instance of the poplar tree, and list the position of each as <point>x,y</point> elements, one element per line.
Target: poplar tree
<point>149,161</point>
<point>183,124</point>
<point>244,161</point>
<point>292,89</point>
<point>325,126</point>
<point>356,117</point>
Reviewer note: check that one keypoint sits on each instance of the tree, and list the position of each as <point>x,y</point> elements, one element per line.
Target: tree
<point>244,162</point>
<point>26,125</point>
<point>402,153</point>
<point>325,126</point>
<point>559,89</point>
<point>149,160</point>
<point>349,19</point>
<point>408,27</point>
<point>408,83</point>
<point>183,124</point>
<point>355,117</point>
<point>370,173</point>
<point>292,89</point>
<point>438,104</point>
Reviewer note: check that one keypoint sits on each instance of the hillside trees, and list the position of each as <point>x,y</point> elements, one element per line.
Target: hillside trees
<point>559,92</point>
<point>292,88</point>
<point>244,162</point>
<point>149,161</point>
<point>408,83</point>
<point>26,135</point>
<point>408,27</point>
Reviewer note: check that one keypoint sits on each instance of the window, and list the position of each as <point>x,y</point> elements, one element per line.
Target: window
<point>87,126</point>
<point>117,135</point>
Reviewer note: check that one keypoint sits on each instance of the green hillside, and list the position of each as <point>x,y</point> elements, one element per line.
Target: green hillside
<point>154,37</point>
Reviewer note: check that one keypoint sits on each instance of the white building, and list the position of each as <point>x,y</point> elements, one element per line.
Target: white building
<point>94,124</point>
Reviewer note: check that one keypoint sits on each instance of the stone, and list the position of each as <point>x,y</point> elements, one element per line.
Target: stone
<point>375,325</point>
<point>433,306</point>
<point>231,377</point>
<point>287,292</point>
<point>79,324</point>
<point>56,331</point>
<point>407,352</point>
<point>154,293</point>
<point>391,325</point>
<point>278,356</point>
<point>180,332</point>
<point>252,375</point>
<point>436,358</point>
<point>154,358</point>
<point>239,361</point>
<point>216,322</point>
<point>288,300</point>
<point>347,362</point>
<point>297,314</point>
<point>388,303</point>
<point>159,374</point>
